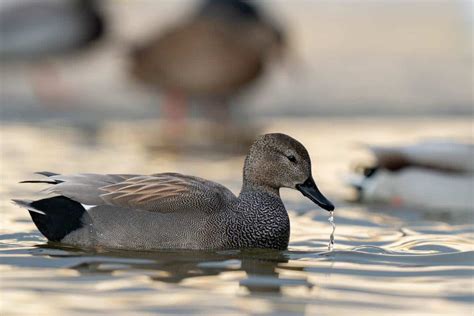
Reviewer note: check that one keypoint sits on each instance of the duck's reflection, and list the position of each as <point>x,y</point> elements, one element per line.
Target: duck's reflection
<point>262,267</point>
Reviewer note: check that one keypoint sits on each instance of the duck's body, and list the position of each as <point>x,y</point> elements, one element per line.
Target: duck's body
<point>253,220</point>
<point>175,211</point>
<point>35,30</point>
<point>213,55</point>
<point>36,33</point>
<point>204,58</point>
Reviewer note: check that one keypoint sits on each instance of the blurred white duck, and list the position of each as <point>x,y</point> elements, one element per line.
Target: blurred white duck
<point>435,175</point>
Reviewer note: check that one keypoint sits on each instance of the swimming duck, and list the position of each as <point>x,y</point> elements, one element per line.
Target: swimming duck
<point>432,175</point>
<point>172,210</point>
<point>221,49</point>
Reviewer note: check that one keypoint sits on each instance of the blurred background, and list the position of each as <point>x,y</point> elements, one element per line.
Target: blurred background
<point>342,58</point>
<point>380,92</point>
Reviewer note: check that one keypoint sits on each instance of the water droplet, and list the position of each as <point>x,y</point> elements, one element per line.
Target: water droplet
<point>331,238</point>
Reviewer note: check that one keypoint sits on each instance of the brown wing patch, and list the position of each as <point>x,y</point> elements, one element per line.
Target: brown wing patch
<point>148,192</point>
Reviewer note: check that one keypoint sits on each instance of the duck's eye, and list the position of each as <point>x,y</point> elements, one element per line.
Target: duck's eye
<point>291,158</point>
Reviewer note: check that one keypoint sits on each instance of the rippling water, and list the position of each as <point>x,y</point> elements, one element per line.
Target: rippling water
<point>385,261</point>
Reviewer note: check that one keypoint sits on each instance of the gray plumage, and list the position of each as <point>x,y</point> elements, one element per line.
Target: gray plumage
<point>171,210</point>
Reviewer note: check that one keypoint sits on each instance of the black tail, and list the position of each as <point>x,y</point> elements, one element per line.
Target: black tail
<point>55,217</point>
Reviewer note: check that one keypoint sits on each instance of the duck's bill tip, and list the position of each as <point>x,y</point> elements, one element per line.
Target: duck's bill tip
<point>311,191</point>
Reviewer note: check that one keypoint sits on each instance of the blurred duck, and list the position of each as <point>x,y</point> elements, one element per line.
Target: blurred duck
<point>36,31</point>
<point>209,58</point>
<point>436,175</point>
<point>40,29</point>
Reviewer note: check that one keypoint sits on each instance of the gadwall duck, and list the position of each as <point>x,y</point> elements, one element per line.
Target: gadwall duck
<point>209,58</point>
<point>175,211</point>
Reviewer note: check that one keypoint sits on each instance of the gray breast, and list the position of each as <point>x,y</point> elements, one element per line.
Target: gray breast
<point>259,220</point>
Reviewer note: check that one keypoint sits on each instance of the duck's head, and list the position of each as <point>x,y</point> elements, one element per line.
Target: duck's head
<point>279,161</point>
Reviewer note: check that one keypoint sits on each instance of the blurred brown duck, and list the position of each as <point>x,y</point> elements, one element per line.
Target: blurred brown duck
<point>210,58</point>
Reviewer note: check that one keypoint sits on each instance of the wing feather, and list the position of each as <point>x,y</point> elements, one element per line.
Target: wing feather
<point>162,192</point>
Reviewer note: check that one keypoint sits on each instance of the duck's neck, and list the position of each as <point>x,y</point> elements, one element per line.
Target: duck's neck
<point>256,179</point>
<point>249,186</point>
